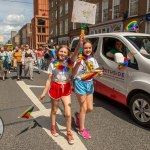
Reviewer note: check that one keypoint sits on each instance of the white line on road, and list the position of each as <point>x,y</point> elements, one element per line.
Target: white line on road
<point>34,86</point>
<point>42,117</point>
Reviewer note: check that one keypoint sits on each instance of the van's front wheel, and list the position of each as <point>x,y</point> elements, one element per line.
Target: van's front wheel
<point>140,108</point>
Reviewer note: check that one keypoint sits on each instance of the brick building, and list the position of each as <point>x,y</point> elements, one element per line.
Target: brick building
<point>25,35</point>
<point>111,16</point>
<point>40,23</point>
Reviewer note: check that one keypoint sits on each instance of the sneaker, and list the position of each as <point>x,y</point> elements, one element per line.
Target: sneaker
<point>84,133</point>
<point>31,79</point>
<point>70,138</point>
<point>77,122</point>
<point>3,77</point>
<point>53,131</point>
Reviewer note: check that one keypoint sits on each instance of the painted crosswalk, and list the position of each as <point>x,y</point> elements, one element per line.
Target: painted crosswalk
<point>42,117</point>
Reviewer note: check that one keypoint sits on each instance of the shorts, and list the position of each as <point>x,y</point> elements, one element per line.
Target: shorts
<point>83,87</point>
<point>57,90</point>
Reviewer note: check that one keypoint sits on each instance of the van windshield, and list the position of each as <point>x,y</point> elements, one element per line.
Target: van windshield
<point>141,43</point>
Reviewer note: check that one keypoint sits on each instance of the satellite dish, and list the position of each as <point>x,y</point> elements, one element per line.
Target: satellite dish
<point>1,127</point>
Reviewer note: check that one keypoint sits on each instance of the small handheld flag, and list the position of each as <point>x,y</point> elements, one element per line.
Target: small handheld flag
<point>91,75</point>
<point>27,112</point>
<point>124,64</point>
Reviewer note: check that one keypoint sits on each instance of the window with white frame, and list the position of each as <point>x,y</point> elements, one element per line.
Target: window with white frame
<point>133,7</point>
<point>148,5</point>
<point>55,14</point>
<point>66,7</point>
<point>61,10</point>
<point>52,17</point>
<point>52,4</point>
<point>97,13</point>
<point>74,25</point>
<point>61,27</point>
<point>105,10</point>
<point>56,30</point>
<point>148,27</point>
<point>66,26</point>
<point>116,8</point>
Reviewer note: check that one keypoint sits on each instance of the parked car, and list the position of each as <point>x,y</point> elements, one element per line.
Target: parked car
<point>131,84</point>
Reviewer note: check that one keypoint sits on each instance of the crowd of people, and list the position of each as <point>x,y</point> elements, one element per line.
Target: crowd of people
<point>23,59</point>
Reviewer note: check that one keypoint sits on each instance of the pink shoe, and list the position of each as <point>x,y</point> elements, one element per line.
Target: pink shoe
<point>54,131</point>
<point>77,122</point>
<point>84,133</point>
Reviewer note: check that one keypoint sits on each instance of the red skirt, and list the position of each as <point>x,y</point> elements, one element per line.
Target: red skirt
<point>58,90</point>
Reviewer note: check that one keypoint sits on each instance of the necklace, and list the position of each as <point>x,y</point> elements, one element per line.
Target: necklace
<point>61,67</point>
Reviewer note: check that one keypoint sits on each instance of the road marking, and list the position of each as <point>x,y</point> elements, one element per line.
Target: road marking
<point>34,86</point>
<point>42,117</point>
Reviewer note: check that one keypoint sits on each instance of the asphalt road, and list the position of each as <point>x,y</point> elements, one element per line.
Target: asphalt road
<point>110,124</point>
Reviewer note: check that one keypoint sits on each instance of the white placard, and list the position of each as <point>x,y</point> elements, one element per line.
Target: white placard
<point>83,12</point>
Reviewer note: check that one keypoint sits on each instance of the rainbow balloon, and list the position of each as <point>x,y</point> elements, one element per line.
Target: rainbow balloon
<point>132,26</point>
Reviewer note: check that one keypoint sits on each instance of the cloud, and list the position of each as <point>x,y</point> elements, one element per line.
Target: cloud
<point>14,19</point>
<point>13,16</point>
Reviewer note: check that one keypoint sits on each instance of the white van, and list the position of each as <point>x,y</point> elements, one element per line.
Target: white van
<point>130,85</point>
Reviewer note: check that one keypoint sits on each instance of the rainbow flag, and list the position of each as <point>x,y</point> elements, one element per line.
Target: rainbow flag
<point>125,64</point>
<point>26,113</point>
<point>132,26</point>
<point>88,76</point>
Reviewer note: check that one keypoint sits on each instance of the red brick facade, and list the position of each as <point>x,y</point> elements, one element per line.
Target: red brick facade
<point>113,23</point>
<point>40,23</point>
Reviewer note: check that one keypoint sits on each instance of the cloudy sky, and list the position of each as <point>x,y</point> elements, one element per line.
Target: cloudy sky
<point>13,15</point>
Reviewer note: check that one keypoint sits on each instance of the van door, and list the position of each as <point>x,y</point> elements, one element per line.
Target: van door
<point>113,83</point>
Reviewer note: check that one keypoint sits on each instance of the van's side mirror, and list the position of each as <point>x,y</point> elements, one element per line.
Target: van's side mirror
<point>119,58</point>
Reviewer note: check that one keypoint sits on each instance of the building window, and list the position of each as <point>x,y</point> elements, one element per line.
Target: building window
<point>74,25</point>
<point>105,10</point>
<point>61,10</point>
<point>148,5</point>
<point>61,27</point>
<point>66,26</point>
<point>56,30</point>
<point>41,22</point>
<point>41,30</point>
<point>97,13</point>
<point>148,27</point>
<point>66,7</point>
<point>52,4</point>
<point>52,17</point>
<point>133,7</point>
<point>116,9</point>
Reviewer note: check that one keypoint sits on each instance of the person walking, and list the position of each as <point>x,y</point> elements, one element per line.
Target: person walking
<point>84,89</point>
<point>17,55</point>
<point>59,87</point>
<point>28,58</point>
<point>40,58</point>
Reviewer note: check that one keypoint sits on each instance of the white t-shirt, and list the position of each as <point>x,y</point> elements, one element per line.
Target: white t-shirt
<point>83,69</point>
<point>57,74</point>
